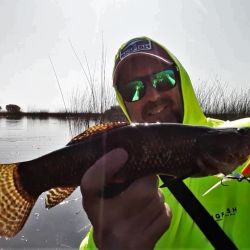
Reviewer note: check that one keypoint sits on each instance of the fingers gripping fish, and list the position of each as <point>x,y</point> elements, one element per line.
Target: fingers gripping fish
<point>175,150</point>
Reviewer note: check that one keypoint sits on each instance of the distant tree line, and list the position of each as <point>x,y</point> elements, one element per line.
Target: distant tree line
<point>12,108</point>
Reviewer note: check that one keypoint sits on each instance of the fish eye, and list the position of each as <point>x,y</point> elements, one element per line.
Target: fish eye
<point>243,131</point>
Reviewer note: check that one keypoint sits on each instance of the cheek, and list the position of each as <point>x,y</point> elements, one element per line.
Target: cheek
<point>134,111</point>
<point>177,97</point>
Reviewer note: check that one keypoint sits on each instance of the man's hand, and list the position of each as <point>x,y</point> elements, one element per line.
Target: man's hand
<point>134,219</point>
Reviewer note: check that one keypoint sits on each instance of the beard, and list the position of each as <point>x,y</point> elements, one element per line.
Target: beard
<point>162,110</point>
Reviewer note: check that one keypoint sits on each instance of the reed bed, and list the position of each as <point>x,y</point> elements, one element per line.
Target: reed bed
<point>216,98</point>
<point>95,100</point>
<point>97,95</point>
<point>222,101</point>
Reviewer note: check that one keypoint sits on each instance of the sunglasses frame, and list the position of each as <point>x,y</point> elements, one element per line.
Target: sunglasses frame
<point>176,74</point>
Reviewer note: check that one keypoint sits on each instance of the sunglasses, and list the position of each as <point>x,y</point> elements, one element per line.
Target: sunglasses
<point>135,90</point>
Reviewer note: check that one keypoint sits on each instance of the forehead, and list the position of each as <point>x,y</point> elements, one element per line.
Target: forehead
<point>139,66</point>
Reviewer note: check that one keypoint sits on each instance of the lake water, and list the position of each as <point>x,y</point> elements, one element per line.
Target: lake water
<point>65,225</point>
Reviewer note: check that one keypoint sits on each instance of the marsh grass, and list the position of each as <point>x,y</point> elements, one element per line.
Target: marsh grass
<point>94,99</point>
<point>219,100</point>
<point>216,98</point>
<point>95,94</point>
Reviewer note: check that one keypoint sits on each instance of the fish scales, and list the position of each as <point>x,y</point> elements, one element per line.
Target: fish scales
<point>150,154</point>
<point>175,150</point>
<point>163,152</point>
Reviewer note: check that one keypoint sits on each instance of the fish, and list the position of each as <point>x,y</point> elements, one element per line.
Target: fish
<point>174,150</point>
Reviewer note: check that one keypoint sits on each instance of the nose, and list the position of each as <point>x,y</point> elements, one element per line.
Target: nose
<point>152,93</point>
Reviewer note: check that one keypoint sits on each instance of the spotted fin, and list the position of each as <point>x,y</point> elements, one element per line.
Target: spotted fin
<point>97,129</point>
<point>57,195</point>
<point>15,203</point>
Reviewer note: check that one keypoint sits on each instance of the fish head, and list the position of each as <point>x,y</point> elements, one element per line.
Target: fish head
<point>223,150</point>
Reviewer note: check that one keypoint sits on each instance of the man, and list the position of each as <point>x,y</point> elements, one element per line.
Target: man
<point>151,85</point>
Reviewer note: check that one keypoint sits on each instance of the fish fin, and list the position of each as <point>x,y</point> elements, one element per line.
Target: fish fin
<point>57,195</point>
<point>97,129</point>
<point>15,203</point>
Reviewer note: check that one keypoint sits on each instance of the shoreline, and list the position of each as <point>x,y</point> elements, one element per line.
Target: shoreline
<point>107,116</point>
<point>50,114</point>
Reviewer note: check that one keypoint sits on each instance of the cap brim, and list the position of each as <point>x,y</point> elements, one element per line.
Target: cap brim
<point>130,56</point>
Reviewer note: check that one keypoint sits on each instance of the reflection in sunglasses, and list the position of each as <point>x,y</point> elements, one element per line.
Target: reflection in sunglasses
<point>135,90</point>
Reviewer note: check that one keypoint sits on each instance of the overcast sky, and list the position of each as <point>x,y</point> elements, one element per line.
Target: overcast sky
<point>211,38</point>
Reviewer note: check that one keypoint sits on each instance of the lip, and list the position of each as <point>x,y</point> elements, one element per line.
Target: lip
<point>160,110</point>
<point>157,110</point>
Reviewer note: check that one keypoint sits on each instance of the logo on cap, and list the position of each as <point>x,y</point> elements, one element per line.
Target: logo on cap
<point>134,46</point>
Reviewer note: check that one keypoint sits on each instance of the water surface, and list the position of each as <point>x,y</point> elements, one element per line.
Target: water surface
<point>65,225</point>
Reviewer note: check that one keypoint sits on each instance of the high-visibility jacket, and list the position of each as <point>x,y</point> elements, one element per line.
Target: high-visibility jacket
<point>229,205</point>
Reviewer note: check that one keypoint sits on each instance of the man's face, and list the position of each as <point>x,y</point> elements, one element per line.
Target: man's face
<point>161,106</point>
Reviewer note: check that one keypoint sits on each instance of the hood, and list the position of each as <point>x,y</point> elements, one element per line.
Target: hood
<point>192,110</point>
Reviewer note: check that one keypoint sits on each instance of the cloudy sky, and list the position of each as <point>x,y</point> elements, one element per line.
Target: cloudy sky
<point>211,39</point>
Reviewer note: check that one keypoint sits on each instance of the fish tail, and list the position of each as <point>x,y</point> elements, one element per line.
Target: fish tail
<point>15,203</point>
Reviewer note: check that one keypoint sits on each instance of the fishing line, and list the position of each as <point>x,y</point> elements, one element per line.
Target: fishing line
<point>58,83</point>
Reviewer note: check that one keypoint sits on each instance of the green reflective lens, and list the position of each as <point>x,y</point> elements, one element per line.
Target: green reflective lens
<point>135,90</point>
<point>164,79</point>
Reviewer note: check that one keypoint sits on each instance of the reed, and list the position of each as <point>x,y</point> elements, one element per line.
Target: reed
<point>218,99</point>
<point>97,96</point>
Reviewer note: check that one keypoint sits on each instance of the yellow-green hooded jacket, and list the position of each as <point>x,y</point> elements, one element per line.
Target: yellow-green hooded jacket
<point>228,205</point>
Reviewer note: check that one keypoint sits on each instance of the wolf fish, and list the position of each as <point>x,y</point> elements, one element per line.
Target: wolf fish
<point>175,150</point>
